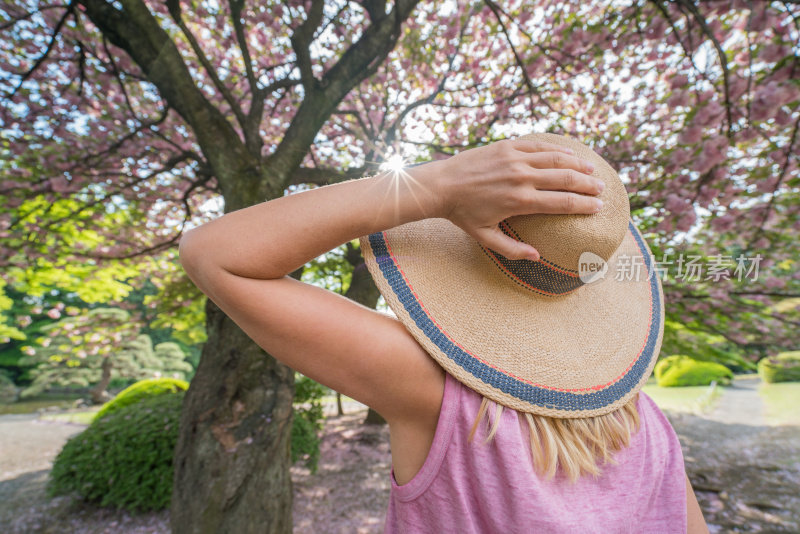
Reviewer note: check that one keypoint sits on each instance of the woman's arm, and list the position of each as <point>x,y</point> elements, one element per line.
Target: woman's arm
<point>241,260</point>
<point>696,523</point>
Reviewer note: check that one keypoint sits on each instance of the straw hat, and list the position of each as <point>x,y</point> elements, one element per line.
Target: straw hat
<point>574,334</point>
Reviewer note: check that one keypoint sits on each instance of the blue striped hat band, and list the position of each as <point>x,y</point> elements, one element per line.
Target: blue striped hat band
<point>511,389</point>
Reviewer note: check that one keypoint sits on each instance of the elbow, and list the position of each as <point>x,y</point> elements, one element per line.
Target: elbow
<point>187,249</point>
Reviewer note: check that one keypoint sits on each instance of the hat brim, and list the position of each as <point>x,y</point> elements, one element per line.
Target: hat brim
<point>582,354</point>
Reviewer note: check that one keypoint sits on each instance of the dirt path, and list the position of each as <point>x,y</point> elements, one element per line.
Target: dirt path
<point>746,474</point>
<point>28,444</point>
<point>745,471</point>
<point>740,402</point>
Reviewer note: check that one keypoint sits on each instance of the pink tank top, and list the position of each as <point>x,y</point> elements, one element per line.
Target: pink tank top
<point>469,488</point>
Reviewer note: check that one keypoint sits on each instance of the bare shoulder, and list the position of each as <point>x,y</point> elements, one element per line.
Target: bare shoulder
<point>364,354</point>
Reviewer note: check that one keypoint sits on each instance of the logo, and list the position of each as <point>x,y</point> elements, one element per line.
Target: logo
<point>591,267</point>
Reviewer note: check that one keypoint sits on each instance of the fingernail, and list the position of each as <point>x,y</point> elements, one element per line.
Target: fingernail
<point>601,185</point>
<point>589,168</point>
<point>599,204</point>
<point>570,151</point>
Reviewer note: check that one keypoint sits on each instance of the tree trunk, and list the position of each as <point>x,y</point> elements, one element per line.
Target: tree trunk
<point>232,457</point>
<point>339,409</point>
<point>374,418</point>
<point>98,393</point>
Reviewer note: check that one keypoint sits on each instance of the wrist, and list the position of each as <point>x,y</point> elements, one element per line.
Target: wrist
<point>428,182</point>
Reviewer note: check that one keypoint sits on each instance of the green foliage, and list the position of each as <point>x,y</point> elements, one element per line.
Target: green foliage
<point>71,352</point>
<point>331,270</point>
<point>179,304</point>
<point>680,338</point>
<point>680,370</point>
<point>307,421</point>
<point>124,460</point>
<point>8,390</point>
<point>151,387</point>
<point>785,367</point>
<point>173,359</point>
<point>7,330</point>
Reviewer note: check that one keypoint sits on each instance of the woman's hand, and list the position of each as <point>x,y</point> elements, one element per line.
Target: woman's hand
<point>482,186</point>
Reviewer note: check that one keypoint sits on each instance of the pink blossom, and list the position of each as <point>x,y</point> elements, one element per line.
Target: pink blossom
<point>53,313</point>
<point>714,151</point>
<point>723,222</point>
<point>709,113</point>
<point>765,101</point>
<point>679,80</point>
<point>773,282</point>
<point>691,135</point>
<point>678,98</point>
<point>675,204</point>
<point>762,243</point>
<point>680,156</point>
<point>772,52</point>
<point>687,220</point>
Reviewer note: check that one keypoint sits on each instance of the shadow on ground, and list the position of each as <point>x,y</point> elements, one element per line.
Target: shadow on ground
<point>746,477</point>
<point>25,508</point>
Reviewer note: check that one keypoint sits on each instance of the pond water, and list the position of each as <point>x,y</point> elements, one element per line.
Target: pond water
<point>773,404</point>
<point>690,399</point>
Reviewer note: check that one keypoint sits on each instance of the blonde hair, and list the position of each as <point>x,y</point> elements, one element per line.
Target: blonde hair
<point>574,445</point>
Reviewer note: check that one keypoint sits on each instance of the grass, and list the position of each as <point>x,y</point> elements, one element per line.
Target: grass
<point>33,404</point>
<point>82,418</point>
<point>781,401</point>
<point>691,399</point>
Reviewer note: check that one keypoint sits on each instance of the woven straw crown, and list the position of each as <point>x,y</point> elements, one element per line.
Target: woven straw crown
<point>536,336</point>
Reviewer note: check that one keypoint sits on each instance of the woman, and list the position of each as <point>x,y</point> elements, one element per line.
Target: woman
<point>500,303</point>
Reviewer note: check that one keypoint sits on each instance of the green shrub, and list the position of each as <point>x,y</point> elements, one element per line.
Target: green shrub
<point>124,459</point>
<point>307,421</point>
<point>680,370</point>
<point>785,367</point>
<point>144,388</point>
<point>8,390</point>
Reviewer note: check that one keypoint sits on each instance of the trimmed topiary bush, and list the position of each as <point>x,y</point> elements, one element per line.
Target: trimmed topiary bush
<point>144,388</point>
<point>125,459</point>
<point>785,367</point>
<point>680,370</point>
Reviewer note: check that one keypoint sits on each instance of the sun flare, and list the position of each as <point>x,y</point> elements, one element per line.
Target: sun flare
<point>394,163</point>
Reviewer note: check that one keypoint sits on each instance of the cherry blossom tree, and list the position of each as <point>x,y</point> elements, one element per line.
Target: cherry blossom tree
<point>126,122</point>
<point>81,350</point>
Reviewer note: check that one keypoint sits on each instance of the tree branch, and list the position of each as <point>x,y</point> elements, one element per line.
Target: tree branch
<point>70,10</point>
<point>357,63</point>
<point>322,176</point>
<point>301,42</point>
<point>789,152</point>
<point>723,60</point>
<point>175,12</point>
<point>136,30</point>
